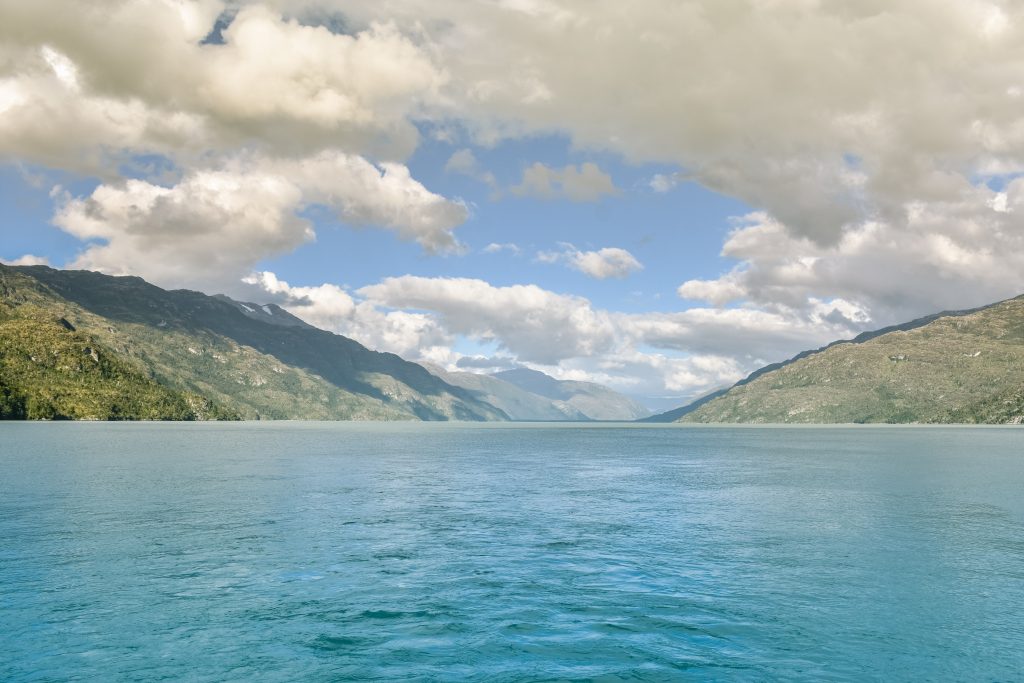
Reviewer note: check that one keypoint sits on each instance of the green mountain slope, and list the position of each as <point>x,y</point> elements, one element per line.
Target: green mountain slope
<point>517,403</point>
<point>593,401</point>
<point>51,370</point>
<point>963,366</point>
<point>211,347</point>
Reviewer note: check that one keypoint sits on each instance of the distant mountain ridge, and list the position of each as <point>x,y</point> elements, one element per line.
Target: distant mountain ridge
<point>514,401</point>
<point>531,395</point>
<point>250,361</point>
<point>272,314</point>
<point>964,366</point>
<point>594,401</point>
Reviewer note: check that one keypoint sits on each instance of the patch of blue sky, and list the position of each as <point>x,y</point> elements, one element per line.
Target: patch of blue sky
<point>26,223</point>
<point>153,168</point>
<point>677,235</point>
<point>997,182</point>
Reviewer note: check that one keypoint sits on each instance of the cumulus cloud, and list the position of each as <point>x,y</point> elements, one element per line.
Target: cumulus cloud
<point>586,183</point>
<point>70,98</point>
<point>273,117</point>
<point>943,255</point>
<point>27,260</point>
<point>206,231</point>
<point>751,336</point>
<point>651,373</point>
<point>212,227</point>
<point>814,111</point>
<point>532,323</point>
<point>700,349</point>
<point>412,335</point>
<point>833,119</point>
<point>326,306</point>
<point>609,262</point>
<point>687,353</point>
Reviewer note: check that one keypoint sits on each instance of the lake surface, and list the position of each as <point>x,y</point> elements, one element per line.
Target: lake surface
<point>282,552</point>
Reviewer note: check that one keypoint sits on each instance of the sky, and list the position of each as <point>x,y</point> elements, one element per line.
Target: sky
<point>659,195</point>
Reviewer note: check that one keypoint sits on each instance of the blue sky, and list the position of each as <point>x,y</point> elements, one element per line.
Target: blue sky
<point>661,196</point>
<point>676,235</point>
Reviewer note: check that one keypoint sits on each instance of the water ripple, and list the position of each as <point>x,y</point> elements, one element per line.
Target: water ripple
<point>507,553</point>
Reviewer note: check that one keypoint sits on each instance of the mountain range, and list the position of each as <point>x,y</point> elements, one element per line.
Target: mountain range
<point>239,359</point>
<point>83,345</point>
<point>529,395</point>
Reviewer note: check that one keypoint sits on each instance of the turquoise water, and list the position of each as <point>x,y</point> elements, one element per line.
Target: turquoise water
<point>283,552</point>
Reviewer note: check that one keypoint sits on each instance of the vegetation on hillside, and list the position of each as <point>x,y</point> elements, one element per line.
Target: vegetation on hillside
<point>966,367</point>
<point>50,371</point>
<point>193,345</point>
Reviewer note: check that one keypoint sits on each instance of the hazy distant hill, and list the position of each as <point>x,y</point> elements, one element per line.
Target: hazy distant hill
<point>594,401</point>
<point>517,403</point>
<point>958,366</point>
<point>226,357</point>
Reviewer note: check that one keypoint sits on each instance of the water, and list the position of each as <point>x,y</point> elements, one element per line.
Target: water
<point>283,552</point>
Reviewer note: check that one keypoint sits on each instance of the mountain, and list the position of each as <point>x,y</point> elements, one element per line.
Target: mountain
<point>951,367</point>
<point>593,401</point>
<point>50,370</point>
<point>272,314</point>
<point>228,358</point>
<point>515,402</point>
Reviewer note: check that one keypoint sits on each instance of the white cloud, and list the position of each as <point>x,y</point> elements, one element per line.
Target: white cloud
<point>565,333</point>
<point>206,231</point>
<point>326,306</point>
<point>27,260</point>
<point>586,183</point>
<point>687,353</point>
<point>750,336</point>
<point>822,114</point>
<point>387,197</point>
<point>213,226</point>
<point>412,335</point>
<point>609,262</point>
<point>71,100</point>
<point>533,323</point>
<point>662,183</point>
<point>942,255</point>
<point>498,247</point>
